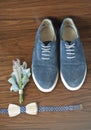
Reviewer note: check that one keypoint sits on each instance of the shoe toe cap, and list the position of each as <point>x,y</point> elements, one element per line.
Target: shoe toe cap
<point>45,78</point>
<point>73,77</point>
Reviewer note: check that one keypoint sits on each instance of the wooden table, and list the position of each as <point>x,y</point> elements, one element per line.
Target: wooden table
<point>19,20</point>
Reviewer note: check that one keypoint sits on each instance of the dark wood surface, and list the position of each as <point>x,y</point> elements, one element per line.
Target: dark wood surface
<point>19,20</point>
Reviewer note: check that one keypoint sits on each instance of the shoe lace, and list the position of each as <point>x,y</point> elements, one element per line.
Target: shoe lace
<point>45,52</point>
<point>70,51</point>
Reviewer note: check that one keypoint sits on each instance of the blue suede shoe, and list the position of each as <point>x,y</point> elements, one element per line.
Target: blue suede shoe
<point>72,59</point>
<point>44,60</point>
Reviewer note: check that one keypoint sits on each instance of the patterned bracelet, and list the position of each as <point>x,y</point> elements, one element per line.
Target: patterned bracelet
<point>33,109</point>
<point>59,108</point>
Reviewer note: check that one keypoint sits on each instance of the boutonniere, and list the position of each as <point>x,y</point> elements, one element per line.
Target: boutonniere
<point>19,77</point>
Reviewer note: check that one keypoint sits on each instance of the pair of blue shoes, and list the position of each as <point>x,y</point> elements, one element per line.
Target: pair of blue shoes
<point>45,71</point>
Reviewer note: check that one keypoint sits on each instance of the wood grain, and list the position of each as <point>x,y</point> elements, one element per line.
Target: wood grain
<point>19,20</point>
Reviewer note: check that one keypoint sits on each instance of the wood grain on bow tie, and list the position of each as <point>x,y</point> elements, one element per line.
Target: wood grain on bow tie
<point>14,110</point>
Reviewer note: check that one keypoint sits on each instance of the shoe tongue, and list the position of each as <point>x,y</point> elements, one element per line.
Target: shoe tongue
<point>70,42</point>
<point>46,42</point>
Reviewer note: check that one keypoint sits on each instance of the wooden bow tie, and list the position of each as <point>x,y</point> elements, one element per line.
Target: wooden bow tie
<point>14,110</point>
<point>32,109</point>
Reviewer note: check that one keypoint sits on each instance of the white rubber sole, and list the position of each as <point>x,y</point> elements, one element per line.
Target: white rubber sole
<point>69,87</point>
<point>40,87</point>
